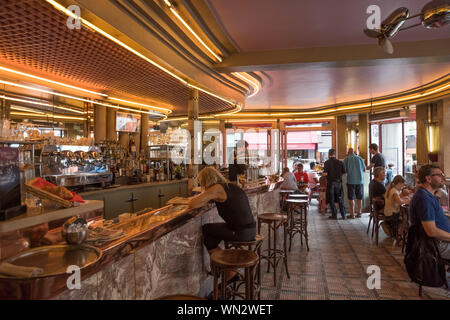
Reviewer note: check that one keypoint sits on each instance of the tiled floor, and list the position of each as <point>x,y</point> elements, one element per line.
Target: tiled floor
<point>336,266</point>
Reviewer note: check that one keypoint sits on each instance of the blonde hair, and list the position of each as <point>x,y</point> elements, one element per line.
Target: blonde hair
<point>210,176</point>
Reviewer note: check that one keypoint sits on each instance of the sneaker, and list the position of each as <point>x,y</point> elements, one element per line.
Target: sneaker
<point>386,229</point>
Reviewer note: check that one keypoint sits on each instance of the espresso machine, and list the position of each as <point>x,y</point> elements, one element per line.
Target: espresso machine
<point>74,166</point>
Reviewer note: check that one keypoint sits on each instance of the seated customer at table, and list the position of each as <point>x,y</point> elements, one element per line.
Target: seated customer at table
<point>393,201</point>
<point>232,205</point>
<point>426,210</point>
<point>302,178</point>
<point>289,182</point>
<point>377,188</point>
<point>313,178</point>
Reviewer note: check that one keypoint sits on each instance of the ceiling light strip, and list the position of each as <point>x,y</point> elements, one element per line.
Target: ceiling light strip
<point>176,14</point>
<point>255,85</point>
<point>141,104</point>
<point>344,108</point>
<point>50,81</point>
<point>41,104</point>
<point>25,110</point>
<point>73,97</point>
<point>46,116</point>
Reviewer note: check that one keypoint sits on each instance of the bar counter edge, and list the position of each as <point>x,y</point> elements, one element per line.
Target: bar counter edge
<point>166,259</point>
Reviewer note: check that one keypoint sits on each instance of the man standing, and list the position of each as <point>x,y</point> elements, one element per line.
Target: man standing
<point>333,170</point>
<point>425,208</point>
<point>354,166</point>
<point>378,159</point>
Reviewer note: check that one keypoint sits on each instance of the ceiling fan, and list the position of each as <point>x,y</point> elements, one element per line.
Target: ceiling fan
<point>435,14</point>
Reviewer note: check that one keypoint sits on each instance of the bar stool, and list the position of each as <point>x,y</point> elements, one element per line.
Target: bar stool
<point>298,224</point>
<point>272,254</point>
<point>232,260</point>
<point>255,246</point>
<point>284,196</point>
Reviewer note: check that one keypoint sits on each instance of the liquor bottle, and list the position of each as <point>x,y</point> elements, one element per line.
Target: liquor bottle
<point>132,147</point>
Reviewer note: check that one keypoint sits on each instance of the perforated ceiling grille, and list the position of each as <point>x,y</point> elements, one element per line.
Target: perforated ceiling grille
<point>34,35</point>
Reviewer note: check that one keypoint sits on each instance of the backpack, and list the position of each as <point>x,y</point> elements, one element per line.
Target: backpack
<point>423,260</point>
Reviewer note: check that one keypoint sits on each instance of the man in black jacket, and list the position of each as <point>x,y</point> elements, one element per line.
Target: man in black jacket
<point>333,170</point>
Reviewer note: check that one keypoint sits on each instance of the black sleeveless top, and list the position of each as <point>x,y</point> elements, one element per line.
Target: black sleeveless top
<point>235,211</point>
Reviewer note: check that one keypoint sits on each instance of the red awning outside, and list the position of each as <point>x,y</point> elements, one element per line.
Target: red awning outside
<point>301,146</point>
<point>302,140</point>
<point>256,140</point>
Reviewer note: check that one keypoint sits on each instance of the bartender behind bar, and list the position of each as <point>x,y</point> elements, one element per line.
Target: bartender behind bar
<point>237,168</point>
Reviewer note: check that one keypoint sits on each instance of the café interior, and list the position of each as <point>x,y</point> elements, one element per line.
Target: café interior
<point>105,105</point>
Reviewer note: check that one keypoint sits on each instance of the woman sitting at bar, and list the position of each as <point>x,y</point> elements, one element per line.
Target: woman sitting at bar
<point>232,205</point>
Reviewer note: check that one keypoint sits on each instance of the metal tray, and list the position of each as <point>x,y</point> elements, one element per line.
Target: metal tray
<point>54,260</point>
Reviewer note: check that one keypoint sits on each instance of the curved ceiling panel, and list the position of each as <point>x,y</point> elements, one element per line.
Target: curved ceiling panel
<point>34,37</point>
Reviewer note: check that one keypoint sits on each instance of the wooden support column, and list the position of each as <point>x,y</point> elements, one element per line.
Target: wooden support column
<point>124,139</point>
<point>341,151</point>
<point>363,128</point>
<point>99,123</point>
<point>421,147</point>
<point>192,116</point>
<point>111,134</point>
<point>444,133</point>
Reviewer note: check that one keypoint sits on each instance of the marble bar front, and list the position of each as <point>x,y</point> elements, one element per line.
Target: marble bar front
<point>161,254</point>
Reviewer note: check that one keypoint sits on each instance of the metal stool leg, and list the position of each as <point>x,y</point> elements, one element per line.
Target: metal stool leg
<point>285,251</point>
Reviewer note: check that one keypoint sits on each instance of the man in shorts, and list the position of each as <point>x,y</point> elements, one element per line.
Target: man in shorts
<point>355,167</point>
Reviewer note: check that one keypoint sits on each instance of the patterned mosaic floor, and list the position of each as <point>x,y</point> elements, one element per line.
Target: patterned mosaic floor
<point>335,267</point>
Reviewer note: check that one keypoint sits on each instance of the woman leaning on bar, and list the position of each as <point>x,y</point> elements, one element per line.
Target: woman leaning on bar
<point>232,205</point>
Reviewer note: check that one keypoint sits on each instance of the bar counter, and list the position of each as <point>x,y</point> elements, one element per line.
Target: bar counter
<point>162,253</point>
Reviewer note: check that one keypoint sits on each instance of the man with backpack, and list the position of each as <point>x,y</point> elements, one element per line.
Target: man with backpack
<point>426,210</point>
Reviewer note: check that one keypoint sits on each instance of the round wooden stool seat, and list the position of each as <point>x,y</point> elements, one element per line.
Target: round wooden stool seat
<point>234,258</point>
<point>180,297</point>
<point>271,217</point>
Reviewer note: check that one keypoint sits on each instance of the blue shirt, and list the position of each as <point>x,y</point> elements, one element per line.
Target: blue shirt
<point>425,207</point>
<point>389,176</point>
<point>354,166</point>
